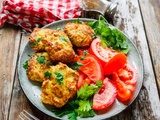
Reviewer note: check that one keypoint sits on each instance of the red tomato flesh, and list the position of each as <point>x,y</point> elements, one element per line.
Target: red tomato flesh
<point>105,97</point>
<point>128,74</point>
<point>112,60</point>
<point>123,92</point>
<point>91,67</point>
<point>83,78</point>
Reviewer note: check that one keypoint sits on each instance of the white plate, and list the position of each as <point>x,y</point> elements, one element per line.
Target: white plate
<point>33,89</point>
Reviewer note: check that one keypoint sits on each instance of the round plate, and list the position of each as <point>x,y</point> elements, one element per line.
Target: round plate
<point>32,89</point>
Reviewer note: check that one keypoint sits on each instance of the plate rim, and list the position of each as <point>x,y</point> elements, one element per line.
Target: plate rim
<point>86,20</point>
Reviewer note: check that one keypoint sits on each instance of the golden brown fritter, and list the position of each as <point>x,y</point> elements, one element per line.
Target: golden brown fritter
<point>59,47</point>
<point>61,85</point>
<point>80,34</point>
<point>37,65</point>
<point>37,36</point>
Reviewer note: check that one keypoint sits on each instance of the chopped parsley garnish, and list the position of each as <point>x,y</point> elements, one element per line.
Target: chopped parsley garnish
<point>82,104</point>
<point>41,59</point>
<point>57,28</point>
<point>78,21</point>
<point>47,74</point>
<point>84,55</point>
<point>25,66</point>
<point>59,77</point>
<point>76,65</point>
<point>30,55</point>
<point>109,35</point>
<point>36,43</point>
<point>62,38</point>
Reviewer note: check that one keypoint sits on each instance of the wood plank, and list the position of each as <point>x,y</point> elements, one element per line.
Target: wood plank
<point>129,20</point>
<point>151,16</point>
<point>9,46</point>
<point>146,106</point>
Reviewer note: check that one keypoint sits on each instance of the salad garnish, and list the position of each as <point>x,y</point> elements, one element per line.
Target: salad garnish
<point>82,104</point>
<point>110,36</point>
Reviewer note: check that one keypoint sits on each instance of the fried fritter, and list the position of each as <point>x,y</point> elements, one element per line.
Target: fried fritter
<point>37,65</point>
<point>80,34</point>
<point>59,47</point>
<point>61,85</point>
<point>37,36</point>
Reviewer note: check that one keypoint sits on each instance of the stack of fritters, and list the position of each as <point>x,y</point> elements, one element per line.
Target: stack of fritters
<point>55,46</point>
<point>55,42</point>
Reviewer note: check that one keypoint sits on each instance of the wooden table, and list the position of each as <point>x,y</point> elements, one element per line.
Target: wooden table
<point>139,19</point>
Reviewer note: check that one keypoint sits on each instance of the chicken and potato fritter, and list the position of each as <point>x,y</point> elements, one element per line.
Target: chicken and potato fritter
<point>59,47</point>
<point>55,42</point>
<point>61,85</point>
<point>80,34</point>
<point>37,36</point>
<point>37,65</point>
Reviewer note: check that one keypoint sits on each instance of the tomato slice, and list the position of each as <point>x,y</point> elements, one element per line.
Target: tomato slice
<point>112,60</point>
<point>105,97</point>
<point>128,74</point>
<point>123,91</point>
<point>91,67</point>
<point>82,80</point>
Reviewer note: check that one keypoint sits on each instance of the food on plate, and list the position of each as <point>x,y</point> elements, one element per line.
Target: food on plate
<point>79,33</point>
<point>81,74</point>
<point>125,80</point>
<point>36,37</point>
<point>105,96</point>
<point>90,69</point>
<point>59,47</point>
<point>60,85</point>
<point>112,60</point>
<point>37,65</point>
<point>55,42</point>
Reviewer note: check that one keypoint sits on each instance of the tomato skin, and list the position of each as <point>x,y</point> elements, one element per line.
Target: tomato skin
<point>82,80</point>
<point>123,93</point>
<point>128,74</point>
<point>116,63</point>
<point>112,60</point>
<point>105,97</point>
<point>91,67</point>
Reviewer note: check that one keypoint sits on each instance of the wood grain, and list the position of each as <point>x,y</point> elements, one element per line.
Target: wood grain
<point>151,16</point>
<point>9,46</point>
<point>139,19</point>
<point>131,23</point>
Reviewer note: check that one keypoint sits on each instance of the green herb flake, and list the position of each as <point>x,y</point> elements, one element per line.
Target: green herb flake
<point>36,43</point>
<point>59,77</point>
<point>41,59</point>
<point>76,65</point>
<point>57,28</point>
<point>25,66</point>
<point>62,38</point>
<point>85,52</point>
<point>47,74</point>
<point>78,21</point>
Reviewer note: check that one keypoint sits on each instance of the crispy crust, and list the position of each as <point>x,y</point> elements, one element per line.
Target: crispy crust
<point>37,36</point>
<point>35,69</point>
<point>59,47</point>
<point>79,34</point>
<point>57,94</point>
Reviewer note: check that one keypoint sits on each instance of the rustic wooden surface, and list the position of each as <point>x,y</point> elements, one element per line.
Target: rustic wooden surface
<point>139,19</point>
